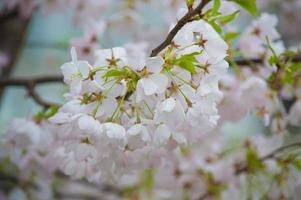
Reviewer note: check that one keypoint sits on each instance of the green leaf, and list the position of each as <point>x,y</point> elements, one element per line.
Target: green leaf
<point>46,114</point>
<point>289,53</point>
<point>272,77</point>
<point>216,6</point>
<point>189,57</point>
<point>189,3</point>
<point>231,35</point>
<point>253,160</point>
<point>115,73</point>
<point>297,163</point>
<point>270,46</point>
<point>228,18</point>
<point>273,60</point>
<point>294,67</point>
<point>148,179</point>
<point>216,27</point>
<point>249,5</point>
<point>290,72</point>
<point>185,64</point>
<point>51,111</point>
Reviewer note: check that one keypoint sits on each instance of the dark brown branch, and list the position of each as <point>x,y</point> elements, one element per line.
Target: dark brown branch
<point>271,155</point>
<point>36,97</point>
<point>246,62</point>
<point>8,14</point>
<point>185,19</point>
<point>27,81</point>
<point>30,84</point>
<point>12,38</point>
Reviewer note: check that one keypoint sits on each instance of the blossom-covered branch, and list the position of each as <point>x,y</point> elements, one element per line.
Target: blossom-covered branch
<point>30,83</point>
<point>184,20</point>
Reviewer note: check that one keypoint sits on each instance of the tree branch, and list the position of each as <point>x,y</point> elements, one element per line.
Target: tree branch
<point>185,19</point>
<point>246,62</point>
<point>30,84</point>
<point>27,81</point>
<point>269,156</point>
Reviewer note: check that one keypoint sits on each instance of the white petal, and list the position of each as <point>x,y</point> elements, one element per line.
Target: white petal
<point>76,85</point>
<point>135,130</point>
<point>84,68</point>
<point>149,87</point>
<point>107,107</point>
<point>114,131</point>
<point>161,81</point>
<point>216,48</point>
<point>68,69</point>
<point>101,56</point>
<point>137,136</point>
<point>119,52</point>
<point>154,64</point>
<point>89,124</point>
<point>115,90</point>
<point>179,137</point>
<point>60,118</point>
<point>73,55</point>
<point>82,151</point>
<point>162,135</point>
<point>168,104</point>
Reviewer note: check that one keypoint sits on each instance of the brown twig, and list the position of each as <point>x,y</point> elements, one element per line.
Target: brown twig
<point>27,81</point>
<point>271,155</point>
<point>185,19</point>
<point>30,85</point>
<point>247,62</point>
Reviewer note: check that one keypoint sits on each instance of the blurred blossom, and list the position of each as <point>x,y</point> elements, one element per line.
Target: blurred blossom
<point>4,61</point>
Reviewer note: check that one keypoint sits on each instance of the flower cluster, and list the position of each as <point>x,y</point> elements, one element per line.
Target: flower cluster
<point>124,103</point>
<point>253,42</point>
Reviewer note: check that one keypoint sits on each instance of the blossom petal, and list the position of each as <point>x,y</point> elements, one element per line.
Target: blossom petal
<point>168,104</point>
<point>149,87</point>
<point>154,64</point>
<point>84,68</point>
<point>162,135</point>
<point>68,69</point>
<point>161,82</point>
<point>114,131</point>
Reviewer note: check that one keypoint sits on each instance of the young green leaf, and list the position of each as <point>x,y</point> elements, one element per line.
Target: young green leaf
<point>230,36</point>
<point>189,3</point>
<point>249,5</point>
<point>225,19</point>
<point>215,8</point>
<point>216,27</point>
<point>188,65</point>
<point>186,62</point>
<point>114,73</point>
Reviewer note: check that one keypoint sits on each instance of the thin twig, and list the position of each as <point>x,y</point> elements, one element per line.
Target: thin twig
<point>246,62</point>
<point>27,81</point>
<point>269,156</point>
<point>184,20</point>
<point>30,84</point>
